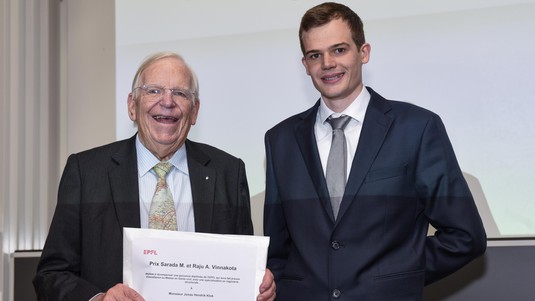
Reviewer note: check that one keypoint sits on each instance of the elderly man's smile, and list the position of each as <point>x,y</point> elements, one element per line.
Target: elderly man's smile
<point>165,119</point>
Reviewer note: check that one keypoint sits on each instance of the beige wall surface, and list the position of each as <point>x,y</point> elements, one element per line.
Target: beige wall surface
<point>88,57</point>
<point>57,97</point>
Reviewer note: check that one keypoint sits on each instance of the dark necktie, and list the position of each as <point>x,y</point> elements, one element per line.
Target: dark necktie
<point>337,162</point>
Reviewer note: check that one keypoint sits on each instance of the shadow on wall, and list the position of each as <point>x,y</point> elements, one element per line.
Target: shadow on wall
<point>257,213</point>
<point>482,205</point>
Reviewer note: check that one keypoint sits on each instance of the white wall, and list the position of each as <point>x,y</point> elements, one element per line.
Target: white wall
<point>469,61</point>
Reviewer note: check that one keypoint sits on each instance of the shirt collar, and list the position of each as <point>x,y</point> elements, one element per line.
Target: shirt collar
<point>357,108</point>
<point>146,160</point>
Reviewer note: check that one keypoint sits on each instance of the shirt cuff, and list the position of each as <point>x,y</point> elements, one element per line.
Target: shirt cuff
<point>96,296</point>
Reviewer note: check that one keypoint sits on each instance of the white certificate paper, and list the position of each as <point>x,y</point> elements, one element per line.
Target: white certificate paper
<point>173,265</point>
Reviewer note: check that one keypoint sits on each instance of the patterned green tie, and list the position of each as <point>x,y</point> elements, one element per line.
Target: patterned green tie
<point>162,214</point>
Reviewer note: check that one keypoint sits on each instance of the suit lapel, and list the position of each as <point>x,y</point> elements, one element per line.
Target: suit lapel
<point>203,181</point>
<point>304,133</point>
<point>123,181</point>
<point>373,133</point>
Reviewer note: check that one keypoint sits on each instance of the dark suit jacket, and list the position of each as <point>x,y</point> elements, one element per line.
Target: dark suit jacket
<point>404,176</point>
<point>99,195</point>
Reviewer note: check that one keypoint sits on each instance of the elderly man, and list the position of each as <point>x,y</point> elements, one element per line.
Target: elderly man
<point>107,188</point>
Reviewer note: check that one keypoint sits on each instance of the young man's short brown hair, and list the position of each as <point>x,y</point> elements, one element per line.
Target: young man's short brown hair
<point>326,12</point>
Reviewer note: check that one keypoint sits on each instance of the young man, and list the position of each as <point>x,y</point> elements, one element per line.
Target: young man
<point>368,239</point>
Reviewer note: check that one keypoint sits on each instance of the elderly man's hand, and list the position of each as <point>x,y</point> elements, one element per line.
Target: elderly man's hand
<point>119,292</point>
<point>267,287</point>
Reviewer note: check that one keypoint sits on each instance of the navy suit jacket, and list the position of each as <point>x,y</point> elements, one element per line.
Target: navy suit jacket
<point>404,177</point>
<point>98,196</point>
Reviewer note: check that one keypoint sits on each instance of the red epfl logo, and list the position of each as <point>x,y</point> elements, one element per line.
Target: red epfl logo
<point>150,252</point>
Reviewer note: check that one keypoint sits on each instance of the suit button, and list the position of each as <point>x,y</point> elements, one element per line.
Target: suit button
<point>335,245</point>
<point>336,294</point>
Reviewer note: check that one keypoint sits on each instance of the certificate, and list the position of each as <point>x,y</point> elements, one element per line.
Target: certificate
<point>173,265</point>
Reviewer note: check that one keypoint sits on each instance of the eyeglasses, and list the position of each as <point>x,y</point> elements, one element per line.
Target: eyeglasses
<point>156,92</point>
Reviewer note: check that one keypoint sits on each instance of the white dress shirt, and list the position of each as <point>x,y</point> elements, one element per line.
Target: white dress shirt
<point>178,181</point>
<point>323,130</point>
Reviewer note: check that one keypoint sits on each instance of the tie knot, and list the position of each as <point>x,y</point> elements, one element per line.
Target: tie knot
<point>162,169</point>
<point>339,122</point>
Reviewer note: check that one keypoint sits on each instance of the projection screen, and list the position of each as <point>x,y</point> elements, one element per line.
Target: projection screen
<point>470,61</point>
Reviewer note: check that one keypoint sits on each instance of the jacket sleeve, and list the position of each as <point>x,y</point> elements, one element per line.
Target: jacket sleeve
<point>58,272</point>
<point>274,220</point>
<point>244,222</point>
<point>449,206</point>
